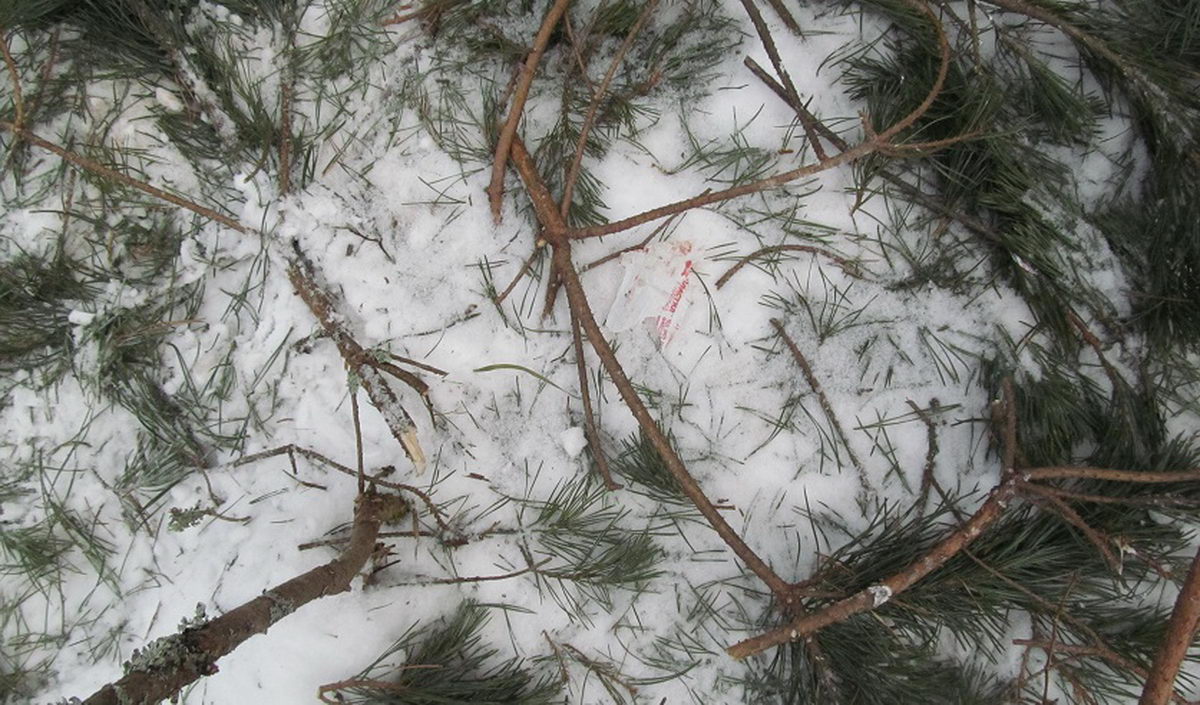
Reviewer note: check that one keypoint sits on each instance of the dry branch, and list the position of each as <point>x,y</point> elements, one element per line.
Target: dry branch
<point>100,170</point>
<point>847,266</point>
<point>192,653</point>
<point>824,401</point>
<point>508,132</point>
<point>594,107</point>
<point>18,98</point>
<point>874,142</point>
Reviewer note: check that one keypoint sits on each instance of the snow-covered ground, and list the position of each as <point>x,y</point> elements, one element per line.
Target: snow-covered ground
<point>507,431</point>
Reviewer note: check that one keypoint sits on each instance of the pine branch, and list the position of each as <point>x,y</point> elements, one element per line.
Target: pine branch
<point>174,662</point>
<point>594,107</point>
<point>509,130</point>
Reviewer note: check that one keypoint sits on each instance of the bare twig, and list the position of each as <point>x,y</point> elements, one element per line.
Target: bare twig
<point>632,248</point>
<point>928,480</point>
<point>385,686</point>
<point>589,420</point>
<point>18,98</point>
<point>589,118</point>
<point>1094,536</point>
<point>1181,632</point>
<point>1014,487</point>
<point>849,267</point>
<point>471,578</point>
<point>786,15</point>
<point>792,95</point>
<point>824,400</point>
<point>358,441</point>
<point>537,249</point>
<point>418,364</point>
<point>108,173</point>
<point>509,130</point>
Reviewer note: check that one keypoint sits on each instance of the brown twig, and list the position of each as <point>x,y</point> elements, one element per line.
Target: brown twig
<point>1098,539</point>
<point>321,304</point>
<point>786,16</point>
<point>194,651</point>
<point>384,686</point>
<point>537,249</point>
<point>849,267</point>
<point>879,594</point>
<point>508,132</point>
<point>589,420</point>
<point>1007,421</point>
<point>824,401</point>
<point>293,449</point>
<point>105,172</point>
<point>632,248</point>
<point>928,480</point>
<point>285,137</point>
<point>1181,632</point>
<point>589,118</point>
<point>470,578</point>
<point>358,441</point>
<point>18,98</point>
<point>1104,654</point>
<point>418,364</point>
<point>792,95</point>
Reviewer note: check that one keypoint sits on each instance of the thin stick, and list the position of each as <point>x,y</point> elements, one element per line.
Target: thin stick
<point>959,540</point>
<point>495,190</point>
<point>877,595</point>
<point>847,266</point>
<point>101,170</point>
<point>589,420</point>
<point>928,480</point>
<point>537,248</point>
<point>285,138</point>
<point>1097,538</point>
<point>1008,428</point>
<point>1103,653</point>
<point>1091,473</point>
<point>632,248</point>
<point>786,15</point>
<point>18,98</point>
<point>589,118</point>
<point>358,440</point>
<point>418,364</point>
<point>471,578</point>
<point>793,96</point>
<point>1181,631</point>
<point>824,400</point>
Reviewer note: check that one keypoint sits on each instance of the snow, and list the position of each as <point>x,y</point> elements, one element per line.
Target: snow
<point>401,232</point>
<point>573,441</point>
